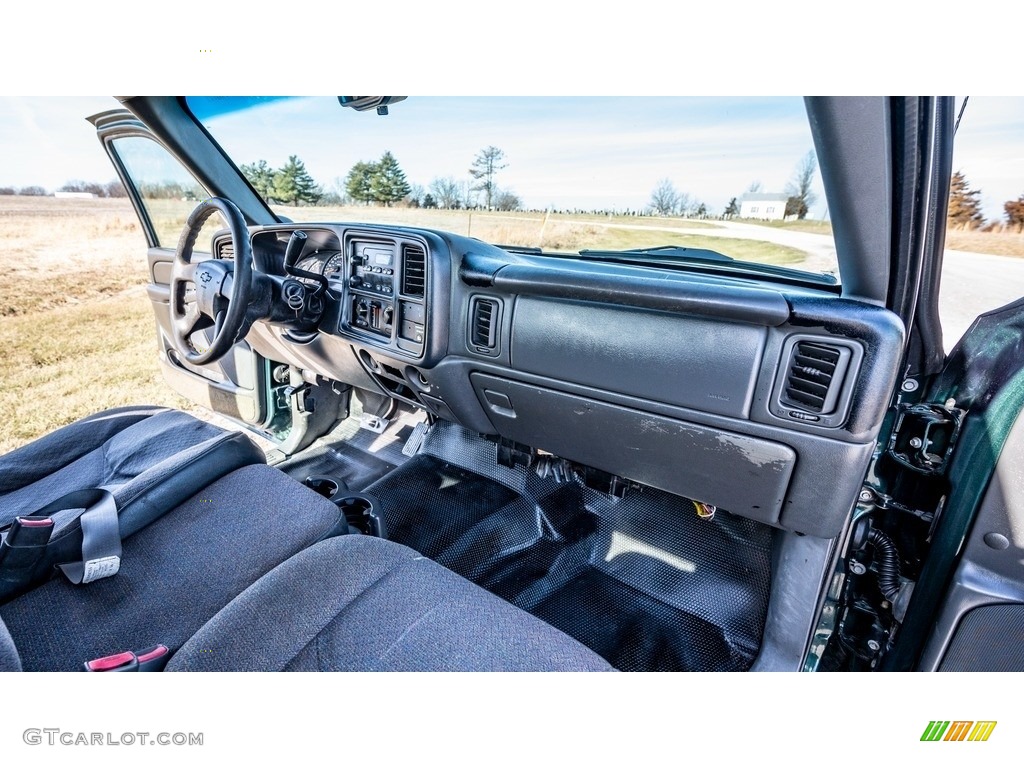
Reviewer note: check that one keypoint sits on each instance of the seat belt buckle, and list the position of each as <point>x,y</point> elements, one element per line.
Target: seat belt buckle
<point>150,660</point>
<point>29,531</point>
<point>118,662</point>
<point>153,659</point>
<point>24,542</point>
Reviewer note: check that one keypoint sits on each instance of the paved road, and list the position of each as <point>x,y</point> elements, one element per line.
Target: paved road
<point>972,283</point>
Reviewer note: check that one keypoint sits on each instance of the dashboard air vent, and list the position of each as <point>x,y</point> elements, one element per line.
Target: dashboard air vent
<point>812,383</point>
<point>484,322</point>
<point>414,270</point>
<point>226,250</point>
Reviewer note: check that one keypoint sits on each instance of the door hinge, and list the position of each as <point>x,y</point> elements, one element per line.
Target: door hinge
<point>924,436</point>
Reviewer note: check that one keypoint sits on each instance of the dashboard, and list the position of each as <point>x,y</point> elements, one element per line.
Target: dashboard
<point>756,396</point>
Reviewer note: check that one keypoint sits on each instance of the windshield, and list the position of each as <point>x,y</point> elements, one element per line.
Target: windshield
<point>680,180</point>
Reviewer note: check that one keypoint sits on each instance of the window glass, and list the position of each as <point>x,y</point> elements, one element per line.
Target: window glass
<point>562,174</point>
<point>983,265</point>
<point>169,193</point>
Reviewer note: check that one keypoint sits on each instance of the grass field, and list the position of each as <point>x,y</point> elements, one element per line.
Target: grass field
<point>559,232</point>
<point>806,225</point>
<point>75,324</point>
<point>996,243</point>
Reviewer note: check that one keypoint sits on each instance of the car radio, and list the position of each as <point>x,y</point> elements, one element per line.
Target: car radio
<point>373,268</point>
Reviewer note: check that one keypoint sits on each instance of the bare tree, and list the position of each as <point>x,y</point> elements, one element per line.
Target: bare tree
<point>415,197</point>
<point>686,205</point>
<point>447,192</point>
<point>115,189</point>
<point>754,188</point>
<point>486,164</point>
<point>665,199</point>
<point>801,198</point>
<point>507,200</point>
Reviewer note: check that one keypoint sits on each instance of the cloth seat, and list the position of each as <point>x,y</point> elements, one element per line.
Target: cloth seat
<point>151,459</point>
<point>176,573</point>
<point>362,603</point>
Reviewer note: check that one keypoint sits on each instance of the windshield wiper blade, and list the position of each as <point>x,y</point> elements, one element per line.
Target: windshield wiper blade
<point>677,256</point>
<point>672,251</point>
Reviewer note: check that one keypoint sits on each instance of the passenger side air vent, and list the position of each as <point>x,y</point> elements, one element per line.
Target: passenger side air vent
<point>484,323</point>
<point>810,386</point>
<point>414,270</point>
<point>811,370</point>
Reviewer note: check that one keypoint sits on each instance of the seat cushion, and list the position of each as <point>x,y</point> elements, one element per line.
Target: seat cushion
<point>175,574</point>
<point>150,459</point>
<point>361,603</point>
<point>9,659</point>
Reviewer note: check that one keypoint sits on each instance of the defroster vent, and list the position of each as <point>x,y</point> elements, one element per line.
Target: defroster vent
<point>414,270</point>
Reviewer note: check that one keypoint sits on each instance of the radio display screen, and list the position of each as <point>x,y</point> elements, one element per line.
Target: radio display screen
<point>376,255</point>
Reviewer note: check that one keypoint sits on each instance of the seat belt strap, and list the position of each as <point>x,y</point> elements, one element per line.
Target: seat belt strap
<point>101,535</point>
<point>85,548</point>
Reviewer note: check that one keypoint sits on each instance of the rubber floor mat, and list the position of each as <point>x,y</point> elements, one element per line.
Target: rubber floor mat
<point>641,580</point>
<point>355,468</point>
<point>353,455</point>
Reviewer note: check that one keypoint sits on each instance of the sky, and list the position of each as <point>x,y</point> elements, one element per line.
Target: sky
<point>560,152</point>
<point>586,152</point>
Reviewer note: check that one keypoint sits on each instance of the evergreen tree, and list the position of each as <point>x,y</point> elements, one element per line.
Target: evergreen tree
<point>388,184</point>
<point>1015,213</point>
<point>964,210</point>
<point>359,182</point>
<point>732,209</point>
<point>261,176</point>
<point>429,201</point>
<point>294,185</point>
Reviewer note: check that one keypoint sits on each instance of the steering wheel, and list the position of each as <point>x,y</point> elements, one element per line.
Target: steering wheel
<point>220,290</point>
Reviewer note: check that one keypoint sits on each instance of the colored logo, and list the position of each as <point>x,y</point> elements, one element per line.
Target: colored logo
<point>958,730</point>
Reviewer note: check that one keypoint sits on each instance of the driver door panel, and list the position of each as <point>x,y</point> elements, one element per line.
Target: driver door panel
<point>234,386</point>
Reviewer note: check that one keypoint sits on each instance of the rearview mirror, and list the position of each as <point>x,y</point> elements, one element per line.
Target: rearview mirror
<point>364,103</point>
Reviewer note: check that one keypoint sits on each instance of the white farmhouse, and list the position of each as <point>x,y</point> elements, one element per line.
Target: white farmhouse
<point>763,205</point>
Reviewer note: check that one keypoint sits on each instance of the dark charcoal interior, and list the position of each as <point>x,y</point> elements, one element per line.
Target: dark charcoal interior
<point>641,580</point>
